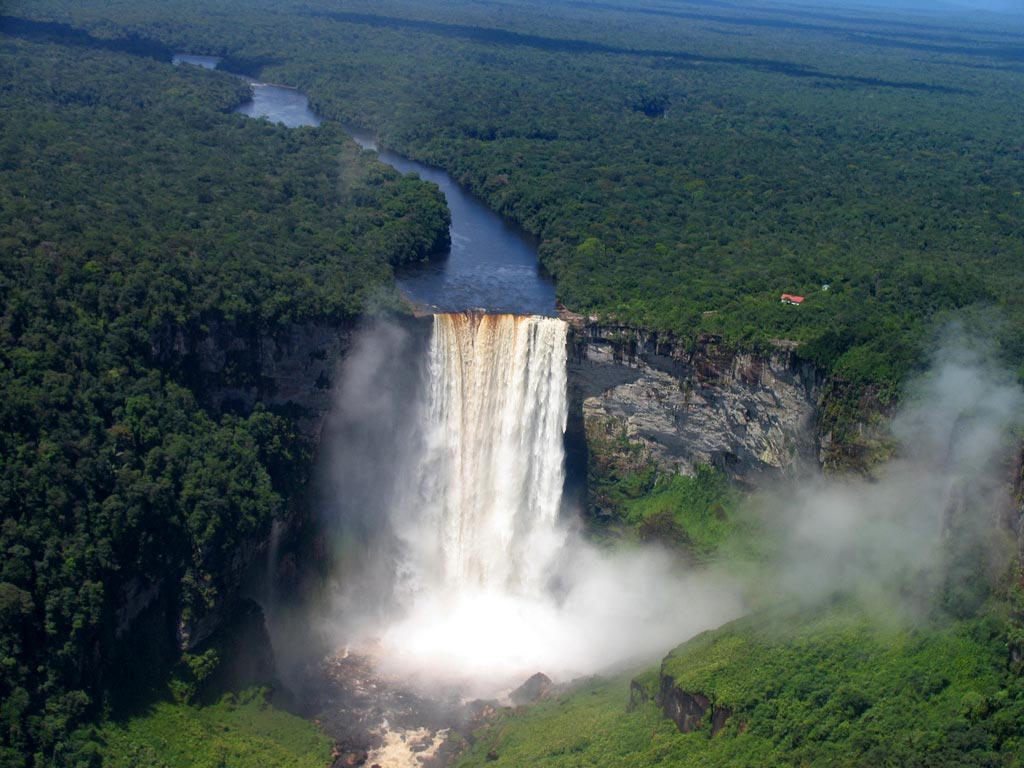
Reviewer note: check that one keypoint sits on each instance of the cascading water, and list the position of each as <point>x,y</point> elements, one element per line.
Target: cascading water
<point>450,486</point>
<point>478,507</point>
<point>488,483</point>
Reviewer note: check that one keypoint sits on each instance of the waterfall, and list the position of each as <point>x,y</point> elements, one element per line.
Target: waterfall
<point>487,483</point>
<point>446,468</point>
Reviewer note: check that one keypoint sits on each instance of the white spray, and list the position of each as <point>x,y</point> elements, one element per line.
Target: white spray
<point>488,584</point>
<point>487,488</point>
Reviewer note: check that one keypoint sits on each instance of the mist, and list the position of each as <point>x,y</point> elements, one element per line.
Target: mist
<point>925,533</point>
<point>929,531</point>
<point>533,596</point>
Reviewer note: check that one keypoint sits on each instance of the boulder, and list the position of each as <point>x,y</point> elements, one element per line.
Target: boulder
<point>533,690</point>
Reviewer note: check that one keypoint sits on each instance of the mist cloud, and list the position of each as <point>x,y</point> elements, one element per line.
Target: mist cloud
<point>923,533</point>
<point>928,526</point>
<point>598,608</point>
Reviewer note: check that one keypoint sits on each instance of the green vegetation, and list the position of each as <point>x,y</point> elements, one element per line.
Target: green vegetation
<point>629,498</point>
<point>683,164</point>
<point>831,686</point>
<point>690,511</point>
<point>134,208</point>
<point>239,731</point>
<point>694,514</point>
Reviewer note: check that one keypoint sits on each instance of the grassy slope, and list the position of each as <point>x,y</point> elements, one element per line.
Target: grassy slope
<point>829,687</point>
<point>237,732</point>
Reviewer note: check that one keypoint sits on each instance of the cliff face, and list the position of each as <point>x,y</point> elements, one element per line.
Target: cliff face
<point>684,404</point>
<point>232,366</point>
<point>689,710</point>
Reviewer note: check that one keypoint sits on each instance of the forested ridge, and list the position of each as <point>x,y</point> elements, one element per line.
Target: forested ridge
<point>131,203</point>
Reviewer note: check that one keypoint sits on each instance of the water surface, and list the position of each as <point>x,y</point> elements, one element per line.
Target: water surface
<point>206,62</point>
<point>279,105</point>
<point>491,265</point>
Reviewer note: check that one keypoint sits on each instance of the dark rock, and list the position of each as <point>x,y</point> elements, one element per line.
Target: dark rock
<point>638,696</point>
<point>688,709</point>
<point>685,709</point>
<point>719,716</point>
<point>481,710</point>
<point>248,656</point>
<point>350,759</point>
<point>134,599</point>
<point>533,690</point>
<point>234,365</point>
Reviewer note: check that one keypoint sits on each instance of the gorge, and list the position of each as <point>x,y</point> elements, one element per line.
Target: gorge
<point>468,418</point>
<point>461,567</point>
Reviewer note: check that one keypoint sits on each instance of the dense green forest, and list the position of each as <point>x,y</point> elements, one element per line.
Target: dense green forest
<point>684,164</point>
<point>131,202</point>
<point>681,163</point>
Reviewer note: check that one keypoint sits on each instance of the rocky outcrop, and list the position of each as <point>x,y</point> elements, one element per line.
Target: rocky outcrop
<point>638,695</point>
<point>688,403</point>
<point>689,710</point>
<point>134,599</point>
<point>533,690</point>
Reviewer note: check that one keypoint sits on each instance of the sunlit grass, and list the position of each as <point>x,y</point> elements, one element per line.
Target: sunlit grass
<point>242,731</point>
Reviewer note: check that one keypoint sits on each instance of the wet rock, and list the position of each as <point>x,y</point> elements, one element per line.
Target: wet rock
<point>533,690</point>
<point>350,759</point>
<point>481,710</point>
<point>421,743</point>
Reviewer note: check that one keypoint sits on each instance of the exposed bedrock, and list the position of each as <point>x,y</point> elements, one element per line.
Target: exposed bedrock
<point>687,710</point>
<point>688,403</point>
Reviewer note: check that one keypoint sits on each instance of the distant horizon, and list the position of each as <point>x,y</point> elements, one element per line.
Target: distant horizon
<point>1000,7</point>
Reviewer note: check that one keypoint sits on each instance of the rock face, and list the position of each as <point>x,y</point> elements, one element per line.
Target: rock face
<point>748,415</point>
<point>232,366</point>
<point>638,696</point>
<point>533,690</point>
<point>688,710</point>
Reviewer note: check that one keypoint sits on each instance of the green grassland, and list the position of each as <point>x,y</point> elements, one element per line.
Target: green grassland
<point>824,686</point>
<point>239,731</point>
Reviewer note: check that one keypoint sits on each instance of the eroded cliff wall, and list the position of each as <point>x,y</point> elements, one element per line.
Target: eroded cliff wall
<point>232,366</point>
<point>688,403</point>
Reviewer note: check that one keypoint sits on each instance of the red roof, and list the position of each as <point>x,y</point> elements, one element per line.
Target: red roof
<point>792,298</point>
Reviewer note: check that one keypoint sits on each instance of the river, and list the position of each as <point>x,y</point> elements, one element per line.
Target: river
<point>492,264</point>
